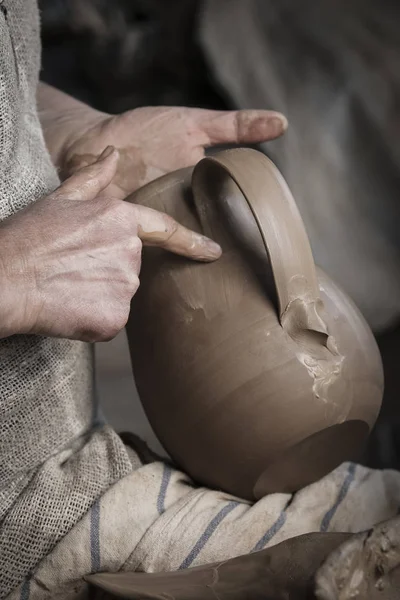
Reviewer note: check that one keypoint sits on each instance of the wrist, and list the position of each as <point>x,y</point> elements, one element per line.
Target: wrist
<point>9,320</point>
<point>16,299</point>
<point>64,120</point>
<point>64,130</point>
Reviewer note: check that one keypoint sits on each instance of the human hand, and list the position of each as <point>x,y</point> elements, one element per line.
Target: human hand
<point>151,141</point>
<point>70,262</point>
<point>156,140</point>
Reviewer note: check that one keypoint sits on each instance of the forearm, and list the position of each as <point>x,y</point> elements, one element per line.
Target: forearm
<point>62,118</point>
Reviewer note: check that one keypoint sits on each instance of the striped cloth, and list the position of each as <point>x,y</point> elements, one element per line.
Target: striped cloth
<point>156,519</point>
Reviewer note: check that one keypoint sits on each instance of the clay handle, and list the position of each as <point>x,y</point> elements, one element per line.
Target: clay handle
<point>276,214</point>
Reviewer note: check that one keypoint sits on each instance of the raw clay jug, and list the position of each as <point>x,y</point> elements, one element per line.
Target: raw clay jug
<point>257,373</point>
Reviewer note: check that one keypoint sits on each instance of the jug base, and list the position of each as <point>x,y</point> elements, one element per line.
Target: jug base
<point>313,458</point>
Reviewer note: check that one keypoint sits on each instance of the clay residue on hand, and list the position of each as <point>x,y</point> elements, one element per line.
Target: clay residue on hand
<point>132,171</point>
<point>316,348</point>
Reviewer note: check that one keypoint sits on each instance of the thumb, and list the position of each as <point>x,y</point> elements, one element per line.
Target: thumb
<point>88,182</point>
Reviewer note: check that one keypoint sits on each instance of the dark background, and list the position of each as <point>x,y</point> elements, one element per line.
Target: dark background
<point>121,54</point>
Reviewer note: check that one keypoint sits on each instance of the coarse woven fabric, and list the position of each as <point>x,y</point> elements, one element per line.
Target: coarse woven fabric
<point>45,385</point>
<point>156,520</point>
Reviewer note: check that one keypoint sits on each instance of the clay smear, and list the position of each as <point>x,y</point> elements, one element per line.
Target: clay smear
<point>316,348</point>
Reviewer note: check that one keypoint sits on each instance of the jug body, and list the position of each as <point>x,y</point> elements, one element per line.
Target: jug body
<point>252,385</point>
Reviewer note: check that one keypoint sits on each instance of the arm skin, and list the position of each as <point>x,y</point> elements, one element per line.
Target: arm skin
<point>61,117</point>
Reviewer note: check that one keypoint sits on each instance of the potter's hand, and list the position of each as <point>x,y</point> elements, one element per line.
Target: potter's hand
<point>151,141</point>
<point>69,263</point>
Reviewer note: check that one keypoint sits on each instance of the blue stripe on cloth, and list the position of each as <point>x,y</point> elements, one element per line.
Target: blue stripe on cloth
<point>95,537</point>
<point>326,521</point>
<point>269,534</point>
<point>26,589</point>
<point>211,527</point>
<point>166,476</point>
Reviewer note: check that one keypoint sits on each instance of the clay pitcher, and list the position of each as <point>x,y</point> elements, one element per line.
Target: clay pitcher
<point>257,373</point>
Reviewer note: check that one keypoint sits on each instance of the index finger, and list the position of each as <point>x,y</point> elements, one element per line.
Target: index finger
<point>159,229</point>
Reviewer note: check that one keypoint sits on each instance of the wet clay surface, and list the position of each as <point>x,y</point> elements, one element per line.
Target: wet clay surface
<point>315,566</point>
<point>238,361</point>
<point>365,566</point>
<point>284,571</point>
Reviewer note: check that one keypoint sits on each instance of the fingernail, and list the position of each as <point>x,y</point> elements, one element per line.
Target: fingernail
<point>211,250</point>
<point>280,123</point>
<point>106,153</point>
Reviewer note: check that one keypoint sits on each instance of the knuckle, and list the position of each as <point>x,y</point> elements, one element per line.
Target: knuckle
<point>170,224</point>
<point>97,332</point>
<point>131,285</point>
<point>135,245</point>
<point>134,284</point>
<point>122,318</point>
<point>111,329</point>
<point>108,206</point>
<point>119,212</point>
<point>101,336</point>
<point>107,336</point>
<point>107,326</point>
